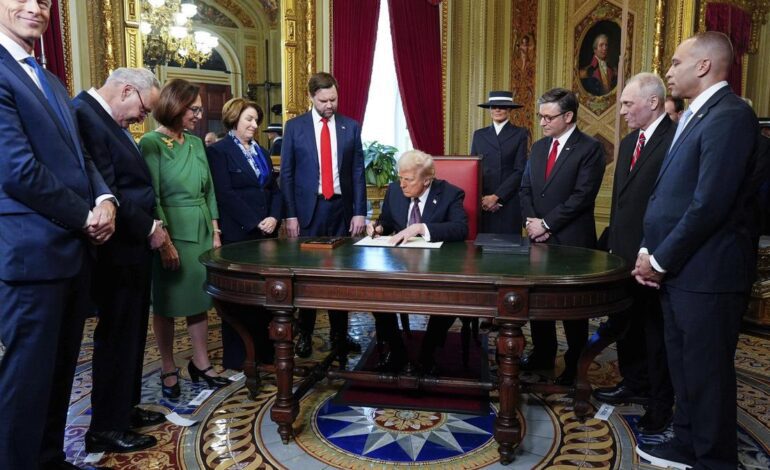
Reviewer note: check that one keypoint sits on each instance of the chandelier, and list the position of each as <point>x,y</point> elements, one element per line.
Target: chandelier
<point>168,36</point>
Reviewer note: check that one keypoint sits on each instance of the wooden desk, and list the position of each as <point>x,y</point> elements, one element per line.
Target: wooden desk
<point>552,283</point>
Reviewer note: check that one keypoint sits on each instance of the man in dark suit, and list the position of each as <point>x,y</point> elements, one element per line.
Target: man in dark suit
<point>275,134</point>
<point>503,148</point>
<point>699,248</point>
<point>641,351</point>
<point>121,287</point>
<point>558,190</point>
<point>418,205</point>
<point>324,189</point>
<point>53,206</point>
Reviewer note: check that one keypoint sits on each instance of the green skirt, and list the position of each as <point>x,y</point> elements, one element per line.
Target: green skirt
<point>180,293</point>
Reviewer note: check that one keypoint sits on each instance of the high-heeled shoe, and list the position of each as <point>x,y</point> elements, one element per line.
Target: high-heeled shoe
<point>170,391</point>
<point>212,381</point>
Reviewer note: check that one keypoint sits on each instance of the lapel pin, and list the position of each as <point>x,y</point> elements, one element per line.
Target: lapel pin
<point>700,115</point>
<point>435,201</point>
<point>343,127</point>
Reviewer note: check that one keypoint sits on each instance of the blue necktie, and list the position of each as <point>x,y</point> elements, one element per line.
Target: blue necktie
<point>48,91</point>
<point>681,126</point>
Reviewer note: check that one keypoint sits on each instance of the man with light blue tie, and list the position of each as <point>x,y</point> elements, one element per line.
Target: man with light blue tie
<point>53,206</point>
<point>324,189</point>
<point>699,248</point>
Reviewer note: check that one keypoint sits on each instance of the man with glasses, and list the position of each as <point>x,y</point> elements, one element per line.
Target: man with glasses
<point>558,190</point>
<point>121,287</point>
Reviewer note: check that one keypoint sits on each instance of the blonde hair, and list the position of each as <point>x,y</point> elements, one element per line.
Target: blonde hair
<point>417,160</point>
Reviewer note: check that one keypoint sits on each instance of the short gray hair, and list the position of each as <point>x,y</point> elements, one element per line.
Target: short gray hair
<point>419,160</point>
<point>650,85</point>
<point>141,78</point>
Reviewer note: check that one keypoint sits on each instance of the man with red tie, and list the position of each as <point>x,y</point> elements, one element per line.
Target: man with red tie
<point>558,190</point>
<point>324,189</point>
<point>641,350</point>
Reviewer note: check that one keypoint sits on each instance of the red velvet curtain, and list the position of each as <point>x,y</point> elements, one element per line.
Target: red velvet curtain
<point>415,27</point>
<point>354,33</point>
<point>53,44</point>
<point>736,24</point>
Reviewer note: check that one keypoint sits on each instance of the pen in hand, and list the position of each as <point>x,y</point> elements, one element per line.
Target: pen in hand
<point>377,224</point>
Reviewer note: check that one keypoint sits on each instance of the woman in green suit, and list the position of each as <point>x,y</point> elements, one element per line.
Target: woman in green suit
<point>186,204</point>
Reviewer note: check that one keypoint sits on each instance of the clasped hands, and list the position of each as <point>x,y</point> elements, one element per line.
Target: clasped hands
<point>490,203</point>
<point>100,224</point>
<point>536,230</point>
<point>644,273</point>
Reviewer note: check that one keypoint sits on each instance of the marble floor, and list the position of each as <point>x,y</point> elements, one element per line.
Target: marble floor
<point>233,431</point>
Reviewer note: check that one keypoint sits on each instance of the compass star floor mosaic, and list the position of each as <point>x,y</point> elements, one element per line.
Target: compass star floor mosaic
<point>234,431</point>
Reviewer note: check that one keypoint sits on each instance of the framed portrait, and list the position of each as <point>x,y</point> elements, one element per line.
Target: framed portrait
<point>597,56</point>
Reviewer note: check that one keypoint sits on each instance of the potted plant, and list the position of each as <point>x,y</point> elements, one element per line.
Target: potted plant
<point>379,170</point>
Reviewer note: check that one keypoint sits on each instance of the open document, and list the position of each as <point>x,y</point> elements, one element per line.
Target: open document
<point>414,242</point>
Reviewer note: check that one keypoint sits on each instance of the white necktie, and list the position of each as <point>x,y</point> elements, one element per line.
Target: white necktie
<point>681,126</point>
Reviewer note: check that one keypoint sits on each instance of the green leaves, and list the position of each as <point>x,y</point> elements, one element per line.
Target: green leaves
<point>380,164</point>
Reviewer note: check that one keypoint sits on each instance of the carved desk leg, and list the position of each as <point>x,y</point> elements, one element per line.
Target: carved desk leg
<point>510,345</point>
<point>253,382</point>
<point>286,408</point>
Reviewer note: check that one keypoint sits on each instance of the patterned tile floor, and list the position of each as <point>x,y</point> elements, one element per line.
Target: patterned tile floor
<point>235,432</point>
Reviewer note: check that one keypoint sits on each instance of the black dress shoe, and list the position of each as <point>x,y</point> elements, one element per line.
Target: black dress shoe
<point>211,380</point>
<point>304,346</point>
<point>620,394</point>
<point>535,362</point>
<point>170,391</point>
<point>117,441</point>
<point>141,417</point>
<point>654,421</point>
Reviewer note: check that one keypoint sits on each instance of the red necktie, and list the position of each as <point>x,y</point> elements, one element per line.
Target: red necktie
<point>327,179</point>
<point>551,159</point>
<point>638,150</point>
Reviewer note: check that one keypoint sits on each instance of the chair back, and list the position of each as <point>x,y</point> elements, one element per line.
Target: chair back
<point>464,172</point>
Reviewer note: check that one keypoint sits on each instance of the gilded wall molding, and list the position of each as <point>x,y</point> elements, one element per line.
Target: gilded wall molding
<point>298,54</point>
<point>523,65</point>
<point>657,41</point>
<point>64,12</point>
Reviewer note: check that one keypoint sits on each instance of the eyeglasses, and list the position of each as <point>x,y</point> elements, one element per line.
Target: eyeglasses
<point>548,118</point>
<point>197,110</point>
<point>145,109</point>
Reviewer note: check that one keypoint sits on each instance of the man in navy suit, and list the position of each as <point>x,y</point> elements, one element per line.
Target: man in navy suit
<point>53,206</point>
<point>418,205</point>
<point>558,190</point>
<point>641,351</point>
<point>324,189</point>
<point>699,248</point>
<point>121,285</point>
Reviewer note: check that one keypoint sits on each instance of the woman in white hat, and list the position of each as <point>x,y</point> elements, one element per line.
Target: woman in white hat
<point>503,148</point>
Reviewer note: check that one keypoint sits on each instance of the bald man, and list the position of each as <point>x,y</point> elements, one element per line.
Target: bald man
<point>698,249</point>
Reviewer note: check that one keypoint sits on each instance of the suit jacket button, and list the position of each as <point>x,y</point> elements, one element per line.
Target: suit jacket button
<point>542,194</point>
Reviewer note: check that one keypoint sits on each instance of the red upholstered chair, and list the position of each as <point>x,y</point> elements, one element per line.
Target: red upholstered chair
<point>465,172</point>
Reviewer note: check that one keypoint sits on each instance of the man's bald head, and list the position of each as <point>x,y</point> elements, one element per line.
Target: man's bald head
<point>716,47</point>
<point>698,63</point>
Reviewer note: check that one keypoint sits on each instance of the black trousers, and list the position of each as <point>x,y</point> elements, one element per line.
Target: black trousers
<point>257,321</point>
<point>328,221</point>
<point>386,325</point>
<point>701,332</point>
<point>122,295</point>
<point>641,347</point>
<point>544,340</point>
<point>41,329</point>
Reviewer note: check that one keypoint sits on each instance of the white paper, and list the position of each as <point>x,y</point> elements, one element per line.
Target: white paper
<point>201,397</point>
<point>179,421</point>
<point>414,242</point>
<point>604,412</point>
<point>236,377</point>
<point>93,457</point>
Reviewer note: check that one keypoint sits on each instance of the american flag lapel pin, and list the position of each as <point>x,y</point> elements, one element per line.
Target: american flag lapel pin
<point>435,201</point>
